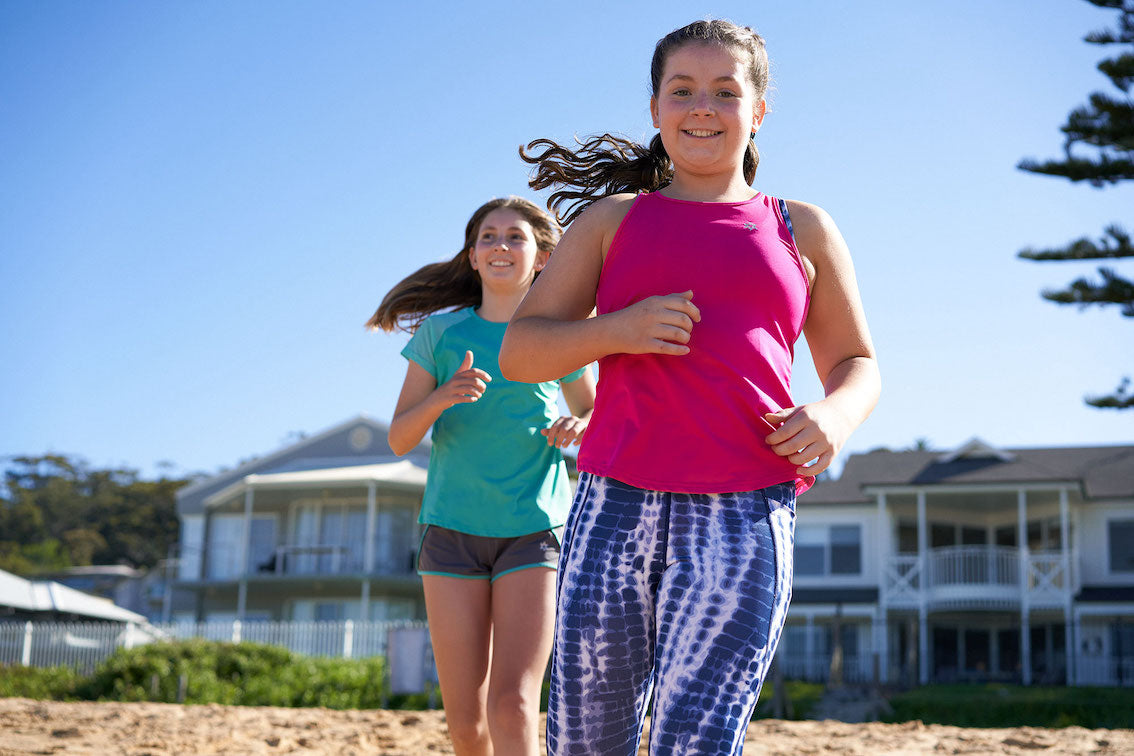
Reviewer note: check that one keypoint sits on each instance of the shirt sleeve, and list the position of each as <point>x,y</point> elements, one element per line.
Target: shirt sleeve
<point>572,377</point>
<point>422,345</point>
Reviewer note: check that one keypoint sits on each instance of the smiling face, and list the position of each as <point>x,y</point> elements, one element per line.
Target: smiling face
<point>506,254</point>
<point>706,108</point>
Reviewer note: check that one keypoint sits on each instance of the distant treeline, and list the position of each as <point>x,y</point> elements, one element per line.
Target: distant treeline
<point>57,512</point>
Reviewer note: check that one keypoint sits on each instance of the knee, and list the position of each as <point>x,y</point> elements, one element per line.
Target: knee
<point>467,728</point>
<point>513,709</point>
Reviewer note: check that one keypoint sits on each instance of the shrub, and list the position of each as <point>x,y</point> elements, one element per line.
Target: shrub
<point>247,674</point>
<point>54,683</point>
<point>1015,706</point>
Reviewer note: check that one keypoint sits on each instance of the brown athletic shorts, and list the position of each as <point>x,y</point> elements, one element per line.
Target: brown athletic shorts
<point>455,554</point>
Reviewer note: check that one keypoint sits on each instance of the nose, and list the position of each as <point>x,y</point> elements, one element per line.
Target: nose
<point>501,244</point>
<point>703,104</point>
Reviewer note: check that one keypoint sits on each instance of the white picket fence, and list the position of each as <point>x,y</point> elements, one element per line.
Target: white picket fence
<point>84,644</point>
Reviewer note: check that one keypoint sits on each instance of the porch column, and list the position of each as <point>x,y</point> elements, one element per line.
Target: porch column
<point>1068,585</point>
<point>809,648</point>
<point>368,548</point>
<point>885,551</point>
<point>1025,608</point>
<point>242,566</point>
<point>923,592</point>
<point>881,645</point>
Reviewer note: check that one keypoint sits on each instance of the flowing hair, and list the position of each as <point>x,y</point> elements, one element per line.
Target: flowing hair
<point>454,283</point>
<point>609,164</point>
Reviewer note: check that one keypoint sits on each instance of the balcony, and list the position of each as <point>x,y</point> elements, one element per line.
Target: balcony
<point>976,577</point>
<point>222,563</point>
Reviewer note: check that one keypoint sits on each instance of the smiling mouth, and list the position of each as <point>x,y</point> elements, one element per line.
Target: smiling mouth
<point>701,133</point>
<point>500,264</point>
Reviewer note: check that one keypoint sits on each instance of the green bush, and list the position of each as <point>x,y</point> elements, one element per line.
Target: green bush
<point>1015,706</point>
<point>53,683</point>
<point>802,696</point>
<point>247,674</point>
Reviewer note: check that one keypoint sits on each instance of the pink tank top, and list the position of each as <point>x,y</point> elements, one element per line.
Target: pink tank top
<point>694,423</point>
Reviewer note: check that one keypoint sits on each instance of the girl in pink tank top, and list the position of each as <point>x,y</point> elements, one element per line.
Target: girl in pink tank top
<point>675,572</point>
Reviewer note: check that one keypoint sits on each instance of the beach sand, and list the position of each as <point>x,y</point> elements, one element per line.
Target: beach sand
<point>151,729</point>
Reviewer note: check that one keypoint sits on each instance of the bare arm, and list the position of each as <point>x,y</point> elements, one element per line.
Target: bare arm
<point>551,334</point>
<point>422,401</point>
<point>841,349</point>
<point>580,396</point>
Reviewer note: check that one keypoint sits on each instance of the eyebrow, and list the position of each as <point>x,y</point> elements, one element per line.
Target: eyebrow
<point>686,77</point>
<point>509,228</point>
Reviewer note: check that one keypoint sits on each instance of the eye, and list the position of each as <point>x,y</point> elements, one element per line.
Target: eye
<point>682,92</point>
<point>727,93</point>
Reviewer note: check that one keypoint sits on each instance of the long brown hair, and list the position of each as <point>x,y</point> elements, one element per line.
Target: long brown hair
<point>610,164</point>
<point>454,283</point>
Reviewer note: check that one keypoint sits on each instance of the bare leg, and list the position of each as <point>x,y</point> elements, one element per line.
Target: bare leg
<point>460,627</point>
<point>523,619</point>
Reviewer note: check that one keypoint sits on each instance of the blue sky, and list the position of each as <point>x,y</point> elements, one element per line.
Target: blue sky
<point>201,203</point>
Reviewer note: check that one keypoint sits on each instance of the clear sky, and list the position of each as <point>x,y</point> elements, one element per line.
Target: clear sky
<point>201,203</point>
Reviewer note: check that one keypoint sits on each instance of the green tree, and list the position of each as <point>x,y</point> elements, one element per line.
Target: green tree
<point>1099,148</point>
<point>57,512</point>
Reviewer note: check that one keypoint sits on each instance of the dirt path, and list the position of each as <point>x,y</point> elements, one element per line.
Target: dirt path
<point>144,729</point>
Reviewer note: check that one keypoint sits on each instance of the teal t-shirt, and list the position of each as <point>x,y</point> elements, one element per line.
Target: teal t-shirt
<point>491,472</point>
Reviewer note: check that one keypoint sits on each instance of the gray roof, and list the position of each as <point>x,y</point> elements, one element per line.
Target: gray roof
<point>358,441</point>
<point>1101,471</point>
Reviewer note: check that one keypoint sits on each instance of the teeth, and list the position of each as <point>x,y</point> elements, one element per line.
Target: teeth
<point>500,264</point>
<point>701,132</point>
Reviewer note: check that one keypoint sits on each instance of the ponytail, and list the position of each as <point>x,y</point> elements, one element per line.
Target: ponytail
<point>436,286</point>
<point>601,166</point>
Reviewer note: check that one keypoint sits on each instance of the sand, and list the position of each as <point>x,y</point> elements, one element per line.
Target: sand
<point>150,729</point>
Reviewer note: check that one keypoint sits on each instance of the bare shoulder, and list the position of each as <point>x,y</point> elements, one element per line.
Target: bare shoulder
<point>608,212</point>
<point>599,222</point>
<point>816,235</point>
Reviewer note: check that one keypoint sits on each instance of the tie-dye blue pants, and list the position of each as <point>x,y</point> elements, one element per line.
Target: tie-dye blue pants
<point>681,594</point>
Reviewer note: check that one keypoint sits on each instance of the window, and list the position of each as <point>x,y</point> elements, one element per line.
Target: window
<point>1120,538</point>
<point>828,550</point>
<point>846,552</point>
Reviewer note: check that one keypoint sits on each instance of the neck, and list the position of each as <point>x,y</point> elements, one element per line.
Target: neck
<point>498,307</point>
<point>713,188</point>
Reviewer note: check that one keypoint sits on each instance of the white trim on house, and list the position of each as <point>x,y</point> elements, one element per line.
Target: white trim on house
<point>400,474</point>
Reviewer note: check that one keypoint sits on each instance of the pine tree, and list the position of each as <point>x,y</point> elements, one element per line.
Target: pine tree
<point>1104,128</point>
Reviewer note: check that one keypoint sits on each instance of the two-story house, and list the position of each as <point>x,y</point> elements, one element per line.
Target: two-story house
<point>325,529</point>
<point>976,564</point>
<point>916,566</point>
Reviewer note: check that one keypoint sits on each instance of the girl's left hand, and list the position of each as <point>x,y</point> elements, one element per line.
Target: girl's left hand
<point>565,431</point>
<point>810,433</point>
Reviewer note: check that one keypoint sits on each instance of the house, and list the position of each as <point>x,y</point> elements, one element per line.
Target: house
<point>139,590</point>
<point>325,529</point>
<point>978,564</point>
<point>24,600</point>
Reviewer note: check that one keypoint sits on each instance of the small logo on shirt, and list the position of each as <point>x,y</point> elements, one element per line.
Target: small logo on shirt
<point>750,225</point>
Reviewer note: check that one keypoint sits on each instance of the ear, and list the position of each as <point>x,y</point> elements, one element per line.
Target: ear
<point>758,114</point>
<point>472,257</point>
<point>654,112</point>
<point>541,258</point>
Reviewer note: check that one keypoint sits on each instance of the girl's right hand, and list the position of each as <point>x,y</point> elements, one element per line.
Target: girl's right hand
<point>467,385</point>
<point>656,325</point>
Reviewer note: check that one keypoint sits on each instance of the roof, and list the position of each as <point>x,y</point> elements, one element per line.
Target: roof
<point>49,596</point>
<point>360,440</point>
<point>1102,472</point>
<point>403,472</point>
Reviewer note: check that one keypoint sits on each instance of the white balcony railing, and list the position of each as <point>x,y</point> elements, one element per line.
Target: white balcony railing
<point>975,575</point>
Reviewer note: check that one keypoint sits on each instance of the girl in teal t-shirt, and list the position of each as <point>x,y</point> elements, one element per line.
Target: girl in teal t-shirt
<point>497,492</point>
